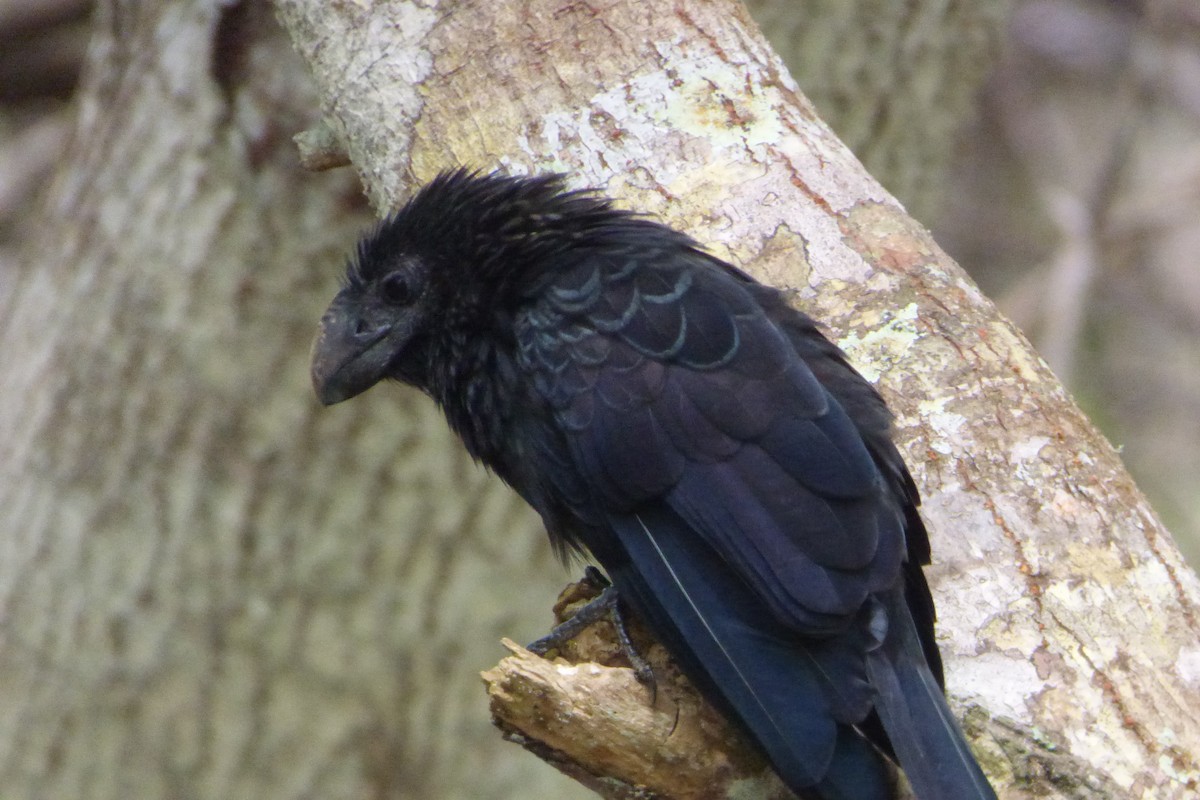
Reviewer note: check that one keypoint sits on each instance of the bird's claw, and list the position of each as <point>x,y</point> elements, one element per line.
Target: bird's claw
<point>605,606</point>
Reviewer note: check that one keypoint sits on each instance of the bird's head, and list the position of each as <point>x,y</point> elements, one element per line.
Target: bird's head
<point>372,327</point>
<point>451,263</point>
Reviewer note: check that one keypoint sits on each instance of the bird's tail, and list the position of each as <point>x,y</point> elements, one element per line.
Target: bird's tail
<point>726,642</point>
<point>927,740</point>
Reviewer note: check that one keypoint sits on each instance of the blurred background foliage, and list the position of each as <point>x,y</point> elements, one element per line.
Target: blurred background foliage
<point>1071,192</point>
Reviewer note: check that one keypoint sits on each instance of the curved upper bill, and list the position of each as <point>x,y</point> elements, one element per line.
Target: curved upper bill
<point>346,358</point>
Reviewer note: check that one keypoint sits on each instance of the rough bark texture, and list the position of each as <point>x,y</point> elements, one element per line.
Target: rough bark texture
<point>211,589</point>
<point>895,81</point>
<point>1064,603</point>
<point>585,712</point>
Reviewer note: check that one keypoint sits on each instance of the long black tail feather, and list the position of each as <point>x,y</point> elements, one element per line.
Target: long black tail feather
<point>783,691</point>
<point>924,733</point>
<point>708,618</point>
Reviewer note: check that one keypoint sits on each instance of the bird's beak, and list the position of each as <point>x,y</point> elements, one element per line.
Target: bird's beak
<point>349,355</point>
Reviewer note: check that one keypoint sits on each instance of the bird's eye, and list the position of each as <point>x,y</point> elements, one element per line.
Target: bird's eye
<point>397,289</point>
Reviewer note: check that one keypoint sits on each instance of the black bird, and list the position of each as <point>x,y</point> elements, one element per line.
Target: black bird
<point>695,434</point>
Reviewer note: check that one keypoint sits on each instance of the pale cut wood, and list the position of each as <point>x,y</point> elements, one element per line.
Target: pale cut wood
<point>584,711</point>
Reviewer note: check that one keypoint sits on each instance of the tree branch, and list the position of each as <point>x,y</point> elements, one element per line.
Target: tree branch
<point>1063,603</point>
<point>586,713</point>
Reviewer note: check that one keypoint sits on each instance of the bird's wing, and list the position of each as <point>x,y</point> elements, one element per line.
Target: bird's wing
<point>739,485</point>
<point>674,386</point>
<point>743,503</point>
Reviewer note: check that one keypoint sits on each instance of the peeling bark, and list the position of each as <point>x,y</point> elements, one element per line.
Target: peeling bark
<point>584,711</point>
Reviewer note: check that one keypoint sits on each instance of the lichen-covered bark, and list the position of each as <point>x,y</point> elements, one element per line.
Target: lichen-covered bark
<point>1064,604</point>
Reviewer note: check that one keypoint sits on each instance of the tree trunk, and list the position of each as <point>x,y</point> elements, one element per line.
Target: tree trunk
<point>895,81</point>
<point>211,589</point>
<point>1064,605</point>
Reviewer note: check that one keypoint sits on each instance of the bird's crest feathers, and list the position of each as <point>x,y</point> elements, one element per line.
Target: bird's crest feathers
<point>481,227</point>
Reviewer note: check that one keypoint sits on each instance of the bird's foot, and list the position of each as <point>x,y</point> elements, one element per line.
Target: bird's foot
<point>604,606</point>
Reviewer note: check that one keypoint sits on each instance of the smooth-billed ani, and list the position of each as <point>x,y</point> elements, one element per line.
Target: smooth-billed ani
<point>695,434</point>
